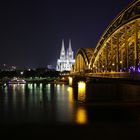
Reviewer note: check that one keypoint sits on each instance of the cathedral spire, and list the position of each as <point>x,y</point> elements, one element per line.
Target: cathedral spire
<point>62,53</point>
<point>70,49</point>
<point>63,47</point>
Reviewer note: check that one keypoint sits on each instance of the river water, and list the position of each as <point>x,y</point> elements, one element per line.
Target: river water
<point>54,104</point>
<point>34,103</point>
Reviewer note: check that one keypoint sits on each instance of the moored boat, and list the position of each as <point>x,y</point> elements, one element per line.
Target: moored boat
<point>17,81</point>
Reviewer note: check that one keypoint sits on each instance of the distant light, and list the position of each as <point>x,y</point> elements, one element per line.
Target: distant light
<point>13,67</point>
<point>63,78</point>
<point>21,72</point>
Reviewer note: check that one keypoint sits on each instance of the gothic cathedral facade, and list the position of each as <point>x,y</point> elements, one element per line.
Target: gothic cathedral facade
<point>66,60</point>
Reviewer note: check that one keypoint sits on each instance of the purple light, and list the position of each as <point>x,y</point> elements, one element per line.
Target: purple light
<point>139,70</point>
<point>132,69</point>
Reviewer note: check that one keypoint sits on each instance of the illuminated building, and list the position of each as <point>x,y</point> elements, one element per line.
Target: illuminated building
<point>66,60</point>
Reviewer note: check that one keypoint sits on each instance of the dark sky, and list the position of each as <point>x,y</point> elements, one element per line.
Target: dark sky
<point>31,31</point>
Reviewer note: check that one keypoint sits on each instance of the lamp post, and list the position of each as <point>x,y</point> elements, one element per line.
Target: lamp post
<point>120,65</point>
<point>103,68</point>
<point>113,66</point>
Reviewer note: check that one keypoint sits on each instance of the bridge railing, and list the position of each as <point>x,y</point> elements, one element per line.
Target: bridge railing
<point>127,75</point>
<point>110,74</point>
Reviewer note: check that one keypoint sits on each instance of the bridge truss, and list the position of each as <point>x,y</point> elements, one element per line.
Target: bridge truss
<point>118,48</point>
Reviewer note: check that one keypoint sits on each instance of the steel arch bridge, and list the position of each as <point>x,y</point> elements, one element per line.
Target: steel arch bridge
<point>119,46</point>
<point>83,57</point>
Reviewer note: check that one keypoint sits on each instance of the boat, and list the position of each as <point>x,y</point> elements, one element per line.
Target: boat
<point>17,81</point>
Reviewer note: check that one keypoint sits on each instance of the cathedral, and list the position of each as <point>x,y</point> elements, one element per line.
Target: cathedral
<point>66,60</point>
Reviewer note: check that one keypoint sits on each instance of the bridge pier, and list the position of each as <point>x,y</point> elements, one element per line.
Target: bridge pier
<point>97,89</point>
<point>79,87</point>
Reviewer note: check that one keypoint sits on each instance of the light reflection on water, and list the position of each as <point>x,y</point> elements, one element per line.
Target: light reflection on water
<point>81,116</point>
<point>38,103</point>
<point>81,91</point>
<point>57,103</point>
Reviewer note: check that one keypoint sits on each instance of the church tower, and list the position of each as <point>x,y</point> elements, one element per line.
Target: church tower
<point>62,52</point>
<point>70,52</point>
<point>66,58</point>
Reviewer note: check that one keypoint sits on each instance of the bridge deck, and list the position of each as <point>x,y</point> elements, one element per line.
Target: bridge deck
<point>120,75</point>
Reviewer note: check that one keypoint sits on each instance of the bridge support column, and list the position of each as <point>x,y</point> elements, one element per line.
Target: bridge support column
<point>126,49</point>
<point>136,46</point>
<point>112,63</point>
<point>117,55</point>
<point>106,58</point>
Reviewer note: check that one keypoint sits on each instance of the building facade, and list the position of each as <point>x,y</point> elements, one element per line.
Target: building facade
<point>66,60</point>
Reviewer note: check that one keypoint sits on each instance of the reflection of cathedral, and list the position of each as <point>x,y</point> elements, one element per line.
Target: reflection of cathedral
<point>65,62</point>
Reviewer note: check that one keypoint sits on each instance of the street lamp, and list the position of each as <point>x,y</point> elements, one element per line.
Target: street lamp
<point>120,65</point>
<point>103,68</point>
<point>113,66</point>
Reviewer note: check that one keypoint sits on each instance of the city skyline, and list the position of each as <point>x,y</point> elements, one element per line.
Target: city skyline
<point>31,31</point>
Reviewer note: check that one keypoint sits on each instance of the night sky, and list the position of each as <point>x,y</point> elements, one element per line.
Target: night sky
<point>31,31</point>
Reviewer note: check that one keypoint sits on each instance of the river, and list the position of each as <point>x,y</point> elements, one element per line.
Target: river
<point>57,104</point>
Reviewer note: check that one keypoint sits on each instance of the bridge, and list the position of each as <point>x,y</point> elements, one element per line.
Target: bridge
<point>117,53</point>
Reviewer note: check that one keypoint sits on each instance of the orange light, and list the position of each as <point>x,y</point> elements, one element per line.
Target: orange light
<point>81,85</point>
<point>70,93</point>
<point>81,91</point>
<point>70,81</point>
<point>81,116</point>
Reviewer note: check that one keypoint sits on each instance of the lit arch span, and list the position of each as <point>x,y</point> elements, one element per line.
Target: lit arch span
<point>119,46</point>
<point>83,58</point>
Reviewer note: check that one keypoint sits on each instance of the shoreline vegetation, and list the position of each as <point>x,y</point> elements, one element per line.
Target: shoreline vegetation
<point>40,75</point>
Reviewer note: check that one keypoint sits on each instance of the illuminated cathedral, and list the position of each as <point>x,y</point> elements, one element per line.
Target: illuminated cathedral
<point>66,60</point>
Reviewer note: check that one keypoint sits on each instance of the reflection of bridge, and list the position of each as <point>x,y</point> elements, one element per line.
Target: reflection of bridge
<point>118,51</point>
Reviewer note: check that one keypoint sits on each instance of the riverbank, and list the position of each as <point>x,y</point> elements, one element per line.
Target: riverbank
<point>38,80</point>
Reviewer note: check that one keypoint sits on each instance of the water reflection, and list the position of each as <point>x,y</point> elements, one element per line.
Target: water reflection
<point>81,91</point>
<point>81,115</point>
<point>63,104</point>
<point>56,103</point>
<point>37,103</point>
<point>48,87</point>
<point>70,81</point>
<point>71,94</point>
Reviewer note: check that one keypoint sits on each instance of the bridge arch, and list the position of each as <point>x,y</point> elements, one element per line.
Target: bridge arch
<point>119,47</point>
<point>82,59</point>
